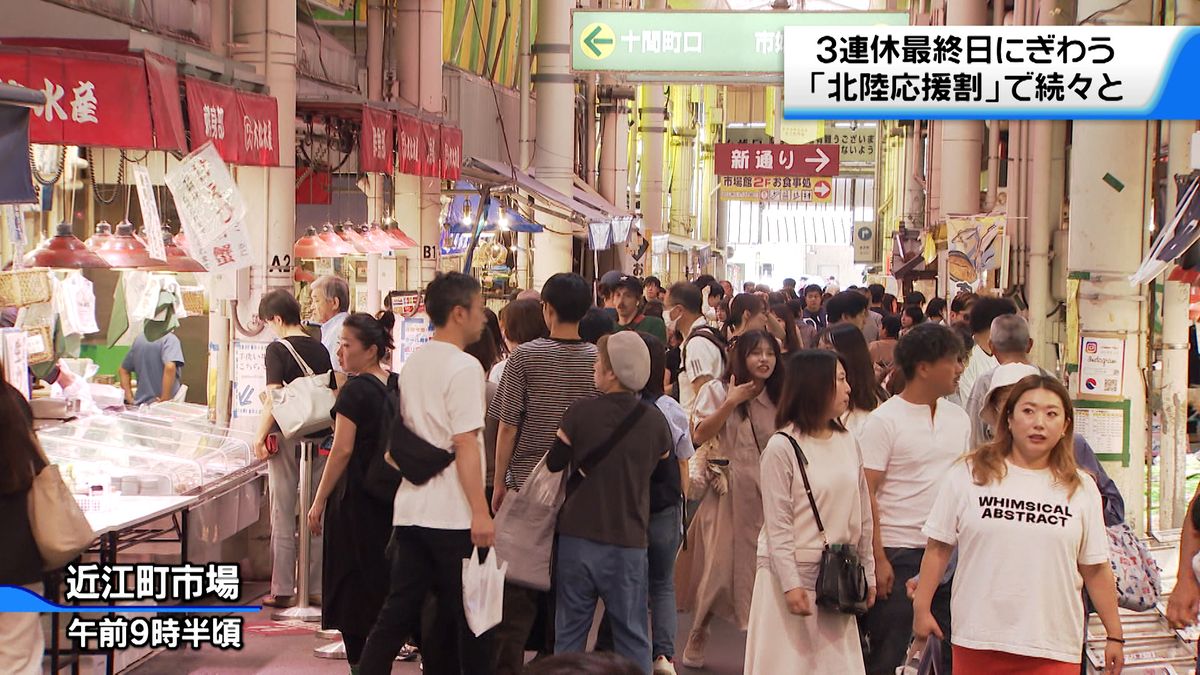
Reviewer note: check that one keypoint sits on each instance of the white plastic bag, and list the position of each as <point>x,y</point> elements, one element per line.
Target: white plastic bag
<point>483,590</point>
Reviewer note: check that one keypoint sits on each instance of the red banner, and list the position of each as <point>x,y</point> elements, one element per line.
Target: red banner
<point>213,116</point>
<point>452,139</point>
<point>762,159</point>
<point>260,129</point>
<point>412,146</point>
<point>375,152</point>
<point>431,161</point>
<point>93,99</point>
<point>243,126</point>
<point>165,110</point>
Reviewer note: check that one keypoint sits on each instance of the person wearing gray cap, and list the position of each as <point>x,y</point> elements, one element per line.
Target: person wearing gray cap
<point>610,446</point>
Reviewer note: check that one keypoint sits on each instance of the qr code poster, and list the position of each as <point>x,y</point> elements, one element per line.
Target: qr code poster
<point>1101,366</point>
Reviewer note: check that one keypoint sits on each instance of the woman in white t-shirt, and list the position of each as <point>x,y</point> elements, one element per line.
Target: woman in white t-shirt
<point>788,633</point>
<point>1029,527</point>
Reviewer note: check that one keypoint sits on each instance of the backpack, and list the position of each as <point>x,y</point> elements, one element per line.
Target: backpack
<point>380,480</point>
<point>707,333</point>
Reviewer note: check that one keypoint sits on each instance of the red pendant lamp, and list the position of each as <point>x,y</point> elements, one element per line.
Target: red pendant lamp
<point>403,240</point>
<point>311,246</point>
<point>101,236</point>
<point>126,251</point>
<point>352,234</point>
<point>380,238</point>
<point>335,242</point>
<point>64,250</point>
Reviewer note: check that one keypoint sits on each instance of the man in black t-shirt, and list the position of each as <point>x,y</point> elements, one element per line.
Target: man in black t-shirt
<point>603,524</point>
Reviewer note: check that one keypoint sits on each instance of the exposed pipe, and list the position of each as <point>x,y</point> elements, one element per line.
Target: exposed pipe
<point>553,156</point>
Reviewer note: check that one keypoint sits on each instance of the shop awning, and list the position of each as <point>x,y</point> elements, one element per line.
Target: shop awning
<point>555,203</point>
<point>584,193</point>
<point>463,217</point>
<point>242,126</point>
<point>97,99</point>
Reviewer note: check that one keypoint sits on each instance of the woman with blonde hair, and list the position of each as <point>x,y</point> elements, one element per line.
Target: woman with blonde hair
<point>1029,527</point>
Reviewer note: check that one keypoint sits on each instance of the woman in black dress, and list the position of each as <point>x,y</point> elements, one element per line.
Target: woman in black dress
<point>357,520</point>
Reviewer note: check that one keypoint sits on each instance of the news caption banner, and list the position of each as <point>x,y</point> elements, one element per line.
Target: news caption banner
<point>988,72</point>
<point>172,626</point>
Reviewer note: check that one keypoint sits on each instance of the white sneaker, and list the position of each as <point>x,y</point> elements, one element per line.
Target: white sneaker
<point>663,666</point>
<point>693,651</point>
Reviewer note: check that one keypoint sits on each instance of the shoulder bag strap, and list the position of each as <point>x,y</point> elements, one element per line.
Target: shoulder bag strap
<point>596,456</point>
<point>802,460</point>
<point>308,372</point>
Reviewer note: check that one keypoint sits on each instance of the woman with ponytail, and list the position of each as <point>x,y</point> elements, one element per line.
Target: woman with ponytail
<point>356,520</point>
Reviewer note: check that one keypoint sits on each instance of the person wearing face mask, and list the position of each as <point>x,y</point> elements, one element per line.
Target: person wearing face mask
<point>1030,533</point>
<point>355,523</point>
<point>788,632</point>
<point>281,312</point>
<point>715,573</point>
<point>702,355</point>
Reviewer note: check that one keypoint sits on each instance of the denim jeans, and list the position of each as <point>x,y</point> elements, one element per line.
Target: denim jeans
<point>665,536</point>
<point>588,571</point>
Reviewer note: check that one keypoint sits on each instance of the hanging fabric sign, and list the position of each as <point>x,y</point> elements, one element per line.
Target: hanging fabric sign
<point>92,99</point>
<point>16,178</point>
<point>412,148</point>
<point>599,236</point>
<point>211,210</point>
<point>375,142</point>
<point>162,76</point>
<point>212,117</point>
<point>154,235</point>
<point>260,129</point>
<point>452,141</point>
<point>620,230</point>
<point>431,162</point>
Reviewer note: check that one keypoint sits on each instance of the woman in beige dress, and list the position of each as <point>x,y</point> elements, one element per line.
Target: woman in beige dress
<point>788,632</point>
<point>715,573</point>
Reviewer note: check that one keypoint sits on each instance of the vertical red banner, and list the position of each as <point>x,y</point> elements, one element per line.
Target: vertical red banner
<point>452,141</point>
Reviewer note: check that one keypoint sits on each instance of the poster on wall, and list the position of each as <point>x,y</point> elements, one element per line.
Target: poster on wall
<point>249,379</point>
<point>1101,366</point>
<point>410,333</point>
<point>974,246</point>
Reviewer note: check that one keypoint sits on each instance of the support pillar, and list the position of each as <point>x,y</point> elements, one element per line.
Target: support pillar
<point>1172,475</point>
<point>961,140</point>
<point>613,183</point>
<point>553,155</point>
<point>376,208</point>
<point>418,199</point>
<point>524,142</point>
<point>265,33</point>
<point>652,126</point>
<point>1107,240</point>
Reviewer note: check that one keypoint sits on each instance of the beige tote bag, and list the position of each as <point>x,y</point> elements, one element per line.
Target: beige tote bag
<point>59,527</point>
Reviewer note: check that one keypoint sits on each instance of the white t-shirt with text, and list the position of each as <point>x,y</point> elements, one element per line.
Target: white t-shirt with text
<point>1017,588</point>
<point>442,394</point>
<point>914,450</point>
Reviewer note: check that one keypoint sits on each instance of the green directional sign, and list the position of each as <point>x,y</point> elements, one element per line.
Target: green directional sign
<point>697,43</point>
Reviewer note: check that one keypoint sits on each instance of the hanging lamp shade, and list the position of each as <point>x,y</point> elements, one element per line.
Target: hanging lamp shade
<point>382,239</point>
<point>403,241</point>
<point>177,259</point>
<point>103,234</point>
<point>311,246</point>
<point>335,242</point>
<point>351,234</point>
<point>126,251</point>
<point>64,250</point>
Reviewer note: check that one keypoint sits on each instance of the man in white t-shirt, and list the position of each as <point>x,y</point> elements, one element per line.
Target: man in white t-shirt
<point>908,444</point>
<point>983,313</point>
<point>436,524</point>
<point>702,358</point>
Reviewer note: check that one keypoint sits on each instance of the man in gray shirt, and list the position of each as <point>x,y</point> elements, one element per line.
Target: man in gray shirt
<point>158,364</point>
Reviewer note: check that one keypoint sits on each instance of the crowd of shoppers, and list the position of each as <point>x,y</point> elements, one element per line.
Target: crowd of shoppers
<point>714,449</point>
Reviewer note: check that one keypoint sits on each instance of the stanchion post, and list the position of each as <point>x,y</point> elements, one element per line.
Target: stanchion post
<point>302,611</point>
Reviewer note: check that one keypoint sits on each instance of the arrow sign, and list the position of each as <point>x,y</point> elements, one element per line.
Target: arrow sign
<point>821,161</point>
<point>597,45</point>
<point>245,395</point>
<point>777,159</point>
<point>822,188</point>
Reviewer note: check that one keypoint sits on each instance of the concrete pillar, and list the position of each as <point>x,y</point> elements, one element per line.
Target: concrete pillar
<point>1172,475</point>
<point>265,35</point>
<point>1107,239</point>
<point>613,183</point>
<point>219,26</point>
<point>652,126</point>
<point>961,140</point>
<point>417,199</point>
<point>683,133</point>
<point>376,208</point>
<point>524,142</point>
<point>553,154</point>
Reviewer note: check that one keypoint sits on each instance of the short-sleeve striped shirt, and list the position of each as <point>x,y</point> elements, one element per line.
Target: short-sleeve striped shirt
<point>541,380</point>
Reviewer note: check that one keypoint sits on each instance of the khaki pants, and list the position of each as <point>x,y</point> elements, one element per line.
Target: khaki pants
<point>283,477</point>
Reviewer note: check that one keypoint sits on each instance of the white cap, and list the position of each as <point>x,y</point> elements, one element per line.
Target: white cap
<point>1008,374</point>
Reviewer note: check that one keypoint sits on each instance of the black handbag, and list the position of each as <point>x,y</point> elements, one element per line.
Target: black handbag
<point>413,458</point>
<point>380,480</point>
<point>841,579</point>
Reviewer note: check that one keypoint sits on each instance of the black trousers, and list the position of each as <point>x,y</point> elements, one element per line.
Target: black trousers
<point>424,561</point>
<point>888,625</point>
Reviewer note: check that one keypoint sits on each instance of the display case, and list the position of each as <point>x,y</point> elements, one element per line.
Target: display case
<point>159,450</point>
